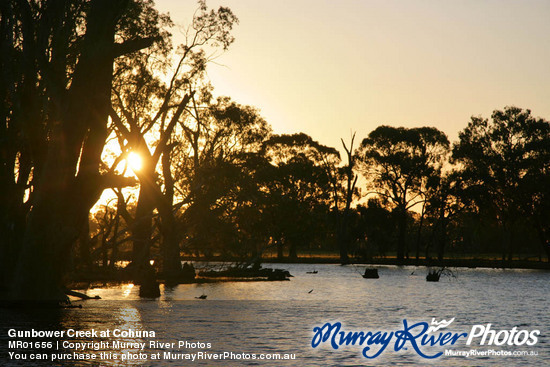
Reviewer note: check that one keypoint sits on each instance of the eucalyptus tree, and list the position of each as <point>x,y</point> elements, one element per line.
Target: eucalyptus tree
<point>397,163</point>
<point>146,112</point>
<point>444,201</point>
<point>505,166</point>
<point>299,187</point>
<point>214,163</point>
<point>57,71</point>
<point>347,174</point>
<point>377,227</point>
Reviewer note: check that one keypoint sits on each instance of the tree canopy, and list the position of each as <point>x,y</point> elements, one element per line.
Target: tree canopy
<point>399,163</point>
<point>505,164</point>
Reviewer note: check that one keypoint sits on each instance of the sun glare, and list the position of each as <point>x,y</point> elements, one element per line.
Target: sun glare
<point>134,161</point>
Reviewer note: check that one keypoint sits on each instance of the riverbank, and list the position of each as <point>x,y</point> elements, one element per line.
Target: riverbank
<point>116,275</point>
<point>327,258</point>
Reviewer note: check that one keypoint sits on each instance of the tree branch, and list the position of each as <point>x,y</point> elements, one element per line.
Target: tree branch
<point>168,132</point>
<point>120,49</point>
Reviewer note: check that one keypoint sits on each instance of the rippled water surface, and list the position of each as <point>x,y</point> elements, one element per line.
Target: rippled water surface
<point>279,317</point>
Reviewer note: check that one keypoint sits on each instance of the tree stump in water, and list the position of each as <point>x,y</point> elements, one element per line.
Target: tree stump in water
<point>149,289</point>
<point>433,276</point>
<point>371,274</point>
<point>147,280</point>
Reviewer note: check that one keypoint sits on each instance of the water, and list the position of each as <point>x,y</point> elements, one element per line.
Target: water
<point>279,317</point>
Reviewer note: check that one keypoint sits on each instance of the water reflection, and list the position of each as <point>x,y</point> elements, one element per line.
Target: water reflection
<point>127,290</point>
<point>128,319</point>
<point>278,317</point>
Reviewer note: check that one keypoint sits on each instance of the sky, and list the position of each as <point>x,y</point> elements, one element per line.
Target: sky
<point>330,68</point>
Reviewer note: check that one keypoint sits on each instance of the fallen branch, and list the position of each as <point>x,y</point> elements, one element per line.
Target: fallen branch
<point>80,295</point>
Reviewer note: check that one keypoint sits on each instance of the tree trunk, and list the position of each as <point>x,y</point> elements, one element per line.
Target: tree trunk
<point>142,230</point>
<point>84,248</point>
<point>171,262</point>
<point>402,223</point>
<point>343,237</point>
<point>419,234</point>
<point>280,254</point>
<point>114,238</point>
<point>442,240</point>
<point>104,250</point>
<point>506,242</point>
<point>51,232</point>
<point>69,184</point>
<point>544,242</point>
<point>292,254</point>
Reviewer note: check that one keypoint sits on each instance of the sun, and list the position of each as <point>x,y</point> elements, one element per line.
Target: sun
<point>134,161</point>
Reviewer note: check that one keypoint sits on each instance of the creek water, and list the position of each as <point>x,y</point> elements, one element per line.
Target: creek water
<point>279,317</point>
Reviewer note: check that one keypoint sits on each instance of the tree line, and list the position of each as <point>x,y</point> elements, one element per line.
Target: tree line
<point>84,84</point>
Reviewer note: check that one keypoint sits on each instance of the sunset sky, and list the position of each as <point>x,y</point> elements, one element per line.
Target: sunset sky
<point>328,68</point>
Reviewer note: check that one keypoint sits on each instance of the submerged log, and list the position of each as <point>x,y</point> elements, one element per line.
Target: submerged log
<point>80,295</point>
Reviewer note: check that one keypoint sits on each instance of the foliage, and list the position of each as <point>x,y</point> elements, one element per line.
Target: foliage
<point>215,160</point>
<point>298,186</point>
<point>399,164</point>
<point>505,165</point>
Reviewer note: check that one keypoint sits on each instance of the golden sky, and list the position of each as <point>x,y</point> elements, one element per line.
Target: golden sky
<point>327,68</point>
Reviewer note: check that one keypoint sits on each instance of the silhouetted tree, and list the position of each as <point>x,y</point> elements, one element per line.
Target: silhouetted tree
<point>109,235</point>
<point>146,112</point>
<point>398,162</point>
<point>443,203</point>
<point>505,166</point>
<point>215,163</point>
<point>298,186</point>
<point>57,66</point>
<point>348,191</point>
